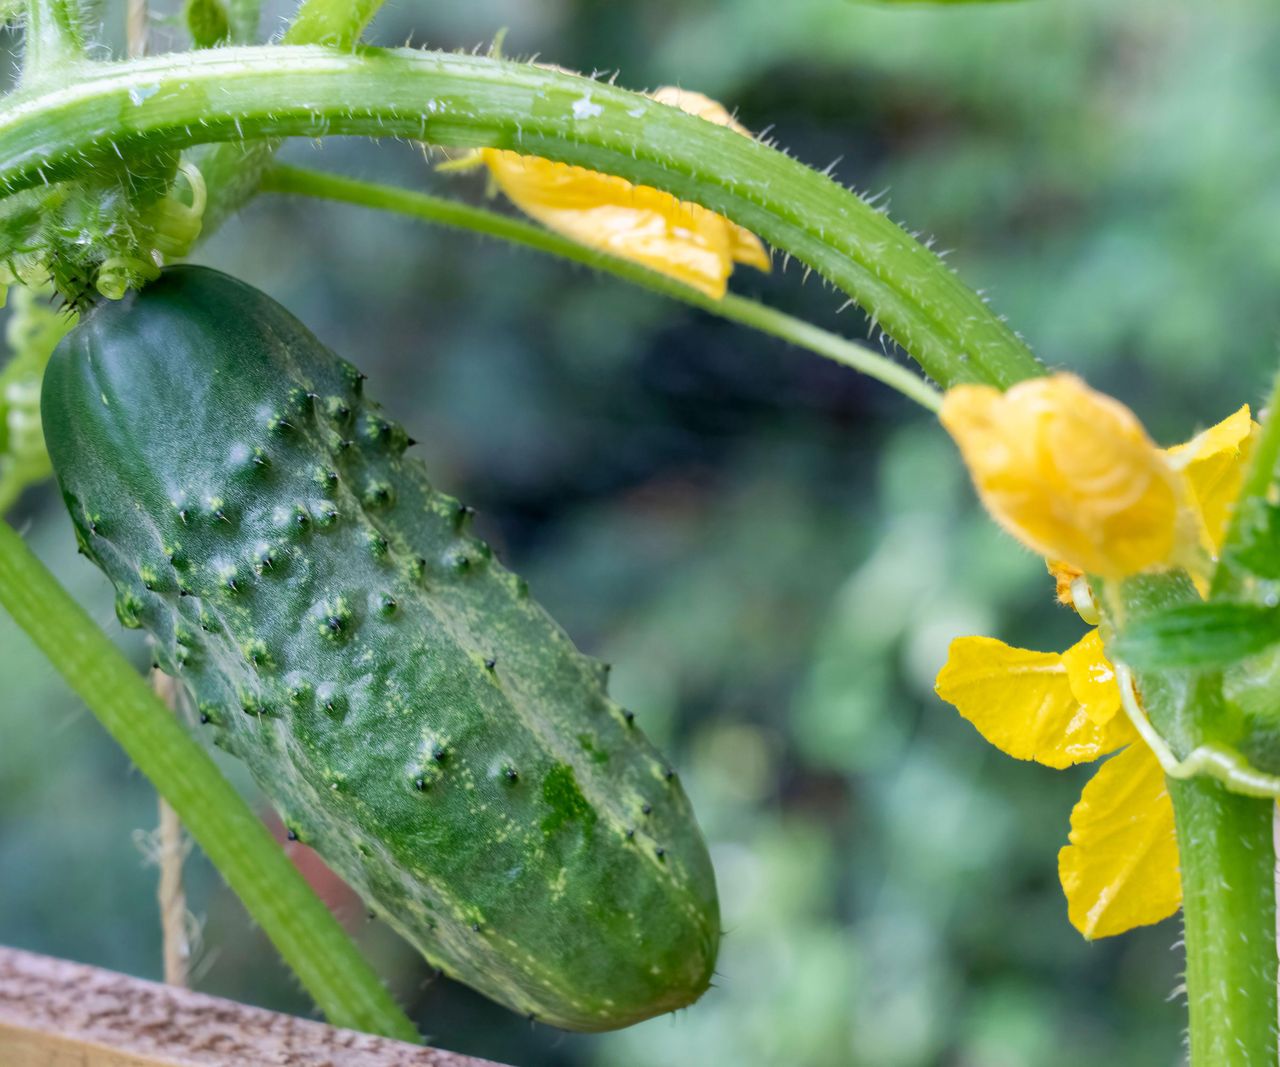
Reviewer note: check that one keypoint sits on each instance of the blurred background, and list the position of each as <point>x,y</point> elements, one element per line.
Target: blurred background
<point>773,551</point>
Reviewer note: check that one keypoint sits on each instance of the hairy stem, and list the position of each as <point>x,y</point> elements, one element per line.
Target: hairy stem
<point>329,966</point>
<point>1227,856</point>
<point>301,182</point>
<point>469,101</point>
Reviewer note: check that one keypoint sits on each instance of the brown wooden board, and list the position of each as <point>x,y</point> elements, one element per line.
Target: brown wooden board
<point>54,1013</point>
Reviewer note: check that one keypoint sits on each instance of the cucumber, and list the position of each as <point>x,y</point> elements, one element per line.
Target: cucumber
<point>411,712</point>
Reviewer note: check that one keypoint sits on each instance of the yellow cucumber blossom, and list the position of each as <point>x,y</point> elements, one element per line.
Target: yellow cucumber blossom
<point>1073,475</point>
<point>685,241</point>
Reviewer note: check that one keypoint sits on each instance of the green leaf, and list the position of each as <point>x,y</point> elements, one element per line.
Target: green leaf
<point>1199,636</point>
<point>921,3</point>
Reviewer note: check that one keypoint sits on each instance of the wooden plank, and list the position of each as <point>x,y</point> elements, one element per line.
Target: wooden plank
<point>59,1014</point>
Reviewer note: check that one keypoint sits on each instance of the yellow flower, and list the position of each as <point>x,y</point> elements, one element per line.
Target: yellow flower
<point>686,241</point>
<point>1069,472</point>
<point>1120,867</point>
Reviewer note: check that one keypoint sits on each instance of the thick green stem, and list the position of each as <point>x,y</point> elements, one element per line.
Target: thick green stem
<point>329,966</point>
<point>436,209</point>
<point>1228,888</point>
<point>1227,854</point>
<point>469,101</point>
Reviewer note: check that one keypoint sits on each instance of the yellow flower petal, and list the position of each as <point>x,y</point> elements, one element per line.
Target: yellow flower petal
<point>746,248</point>
<point>1021,702</point>
<point>1092,678</point>
<point>1215,462</point>
<point>1121,868</point>
<point>1070,472</point>
<point>682,240</point>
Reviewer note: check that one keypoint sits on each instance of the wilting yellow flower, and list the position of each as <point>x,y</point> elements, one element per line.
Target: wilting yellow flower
<point>1069,472</point>
<point>683,240</point>
<point>1120,868</point>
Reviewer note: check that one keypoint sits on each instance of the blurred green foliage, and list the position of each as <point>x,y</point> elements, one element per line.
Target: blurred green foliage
<point>773,552</point>
<point>936,1</point>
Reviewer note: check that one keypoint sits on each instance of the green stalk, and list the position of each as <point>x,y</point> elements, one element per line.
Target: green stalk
<point>1228,889</point>
<point>469,101</point>
<point>1225,847</point>
<point>300,182</point>
<point>307,936</point>
<point>1227,854</point>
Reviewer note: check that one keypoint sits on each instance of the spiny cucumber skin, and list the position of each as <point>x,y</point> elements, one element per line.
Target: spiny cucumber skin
<point>413,714</point>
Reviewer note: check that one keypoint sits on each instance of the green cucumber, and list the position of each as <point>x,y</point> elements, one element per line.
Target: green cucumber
<point>412,713</point>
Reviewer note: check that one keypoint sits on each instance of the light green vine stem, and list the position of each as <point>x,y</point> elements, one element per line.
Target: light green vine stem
<point>468,101</point>
<point>1226,849</point>
<point>329,966</point>
<point>1223,814</point>
<point>300,182</point>
<point>1228,889</point>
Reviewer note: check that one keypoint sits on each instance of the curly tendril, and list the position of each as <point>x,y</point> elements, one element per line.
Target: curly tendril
<point>167,231</point>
